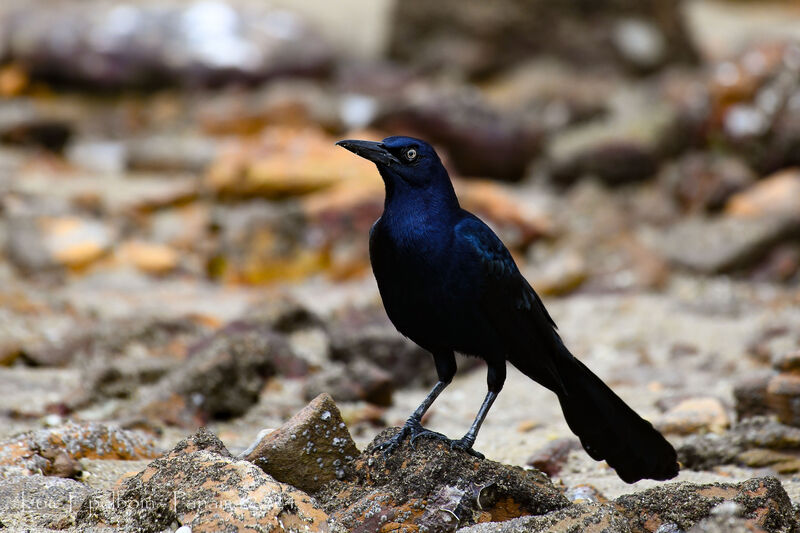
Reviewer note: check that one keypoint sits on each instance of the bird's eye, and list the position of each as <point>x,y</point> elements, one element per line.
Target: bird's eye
<point>411,154</point>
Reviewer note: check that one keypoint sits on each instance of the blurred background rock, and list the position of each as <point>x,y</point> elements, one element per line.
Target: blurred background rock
<point>170,193</point>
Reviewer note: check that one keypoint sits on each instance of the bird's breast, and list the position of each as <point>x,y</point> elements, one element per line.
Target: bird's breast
<point>420,286</point>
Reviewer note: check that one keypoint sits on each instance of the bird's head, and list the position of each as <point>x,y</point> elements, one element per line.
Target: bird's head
<point>403,162</point>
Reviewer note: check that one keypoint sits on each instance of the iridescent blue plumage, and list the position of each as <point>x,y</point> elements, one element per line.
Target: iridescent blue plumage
<point>450,285</point>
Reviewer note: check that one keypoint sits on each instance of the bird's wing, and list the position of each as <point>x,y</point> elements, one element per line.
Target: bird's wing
<point>509,302</point>
<point>499,269</point>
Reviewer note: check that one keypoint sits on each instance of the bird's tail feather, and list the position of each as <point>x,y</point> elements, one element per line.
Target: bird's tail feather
<point>607,427</point>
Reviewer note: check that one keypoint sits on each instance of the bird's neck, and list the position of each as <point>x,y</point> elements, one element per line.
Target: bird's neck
<point>436,202</point>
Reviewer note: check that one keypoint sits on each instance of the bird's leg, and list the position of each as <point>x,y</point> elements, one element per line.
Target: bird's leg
<point>495,378</point>
<point>446,369</point>
<point>465,443</point>
<point>413,426</point>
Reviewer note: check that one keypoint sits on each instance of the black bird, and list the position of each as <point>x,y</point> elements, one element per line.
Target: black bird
<point>449,284</point>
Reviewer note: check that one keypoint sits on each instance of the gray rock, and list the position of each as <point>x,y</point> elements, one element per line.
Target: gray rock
<point>750,395</point>
<point>284,315</point>
<point>115,46</point>
<point>478,139</point>
<point>40,502</point>
<point>781,150</point>
<point>368,335</point>
<point>700,452</point>
<point>477,39</point>
<point>309,450</point>
<point>704,182</point>
<point>200,485</point>
<point>22,123</point>
<point>102,156</point>
<point>37,244</point>
<point>763,501</point>
<point>111,194</point>
<point>109,342</point>
<point>164,153</point>
<point>32,392</point>
<point>726,518</point>
<point>255,236</point>
<point>582,518</point>
<point>222,377</point>
<point>725,244</point>
<point>358,381</point>
<point>624,147</point>
<point>725,524</point>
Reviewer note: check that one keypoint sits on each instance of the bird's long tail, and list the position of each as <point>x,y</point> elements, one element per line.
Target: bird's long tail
<point>607,427</point>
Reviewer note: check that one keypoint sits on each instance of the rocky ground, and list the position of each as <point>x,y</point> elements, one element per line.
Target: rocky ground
<point>189,331</point>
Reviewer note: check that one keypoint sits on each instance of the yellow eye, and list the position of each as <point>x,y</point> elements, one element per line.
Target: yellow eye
<point>411,154</point>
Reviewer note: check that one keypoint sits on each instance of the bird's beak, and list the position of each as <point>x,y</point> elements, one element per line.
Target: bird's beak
<point>373,151</point>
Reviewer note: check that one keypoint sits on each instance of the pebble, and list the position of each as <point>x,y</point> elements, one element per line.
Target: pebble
<point>694,415</point>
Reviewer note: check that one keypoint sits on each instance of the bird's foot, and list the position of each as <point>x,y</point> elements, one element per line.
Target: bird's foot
<point>465,444</point>
<point>413,429</point>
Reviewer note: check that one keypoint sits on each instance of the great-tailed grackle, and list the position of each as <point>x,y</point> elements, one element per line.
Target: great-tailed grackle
<point>450,285</point>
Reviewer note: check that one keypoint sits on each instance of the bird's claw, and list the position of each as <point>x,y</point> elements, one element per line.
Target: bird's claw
<point>413,429</point>
<point>465,446</point>
<point>388,446</point>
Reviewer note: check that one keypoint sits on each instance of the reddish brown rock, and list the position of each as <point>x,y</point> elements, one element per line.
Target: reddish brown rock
<point>772,342</point>
<point>152,258</point>
<point>261,242</point>
<point>750,395</point>
<point>781,265</point>
<point>198,484</point>
<point>559,274</point>
<point>27,123</point>
<point>517,222</point>
<point>283,163</point>
<point>309,450</point>
<point>54,451</point>
<point>292,103</point>
<point>788,362</point>
<point>775,195</point>
<point>783,390</point>
<point>552,457</point>
<point>325,230</point>
<point>432,486</point>
<point>702,182</point>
